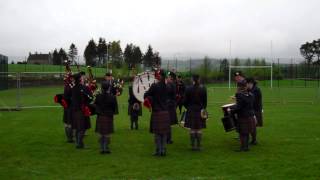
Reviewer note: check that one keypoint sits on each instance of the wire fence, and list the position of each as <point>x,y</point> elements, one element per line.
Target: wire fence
<point>293,80</point>
<point>37,89</point>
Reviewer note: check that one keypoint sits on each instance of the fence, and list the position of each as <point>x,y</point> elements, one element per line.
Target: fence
<point>285,72</point>
<point>37,89</point>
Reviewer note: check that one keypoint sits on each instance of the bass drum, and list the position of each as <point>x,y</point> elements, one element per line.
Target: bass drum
<point>141,83</point>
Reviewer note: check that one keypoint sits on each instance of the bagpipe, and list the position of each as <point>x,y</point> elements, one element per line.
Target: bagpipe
<point>118,86</point>
<point>91,82</point>
<point>68,85</point>
<point>88,108</point>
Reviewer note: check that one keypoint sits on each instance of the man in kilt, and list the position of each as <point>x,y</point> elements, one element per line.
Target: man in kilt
<point>172,104</point>
<point>245,114</point>
<point>106,105</point>
<point>134,109</point>
<point>195,100</point>
<point>67,119</point>
<point>160,118</point>
<point>180,92</point>
<point>257,106</point>
<point>80,99</point>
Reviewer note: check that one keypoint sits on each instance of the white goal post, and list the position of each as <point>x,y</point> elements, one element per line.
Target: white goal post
<point>251,67</point>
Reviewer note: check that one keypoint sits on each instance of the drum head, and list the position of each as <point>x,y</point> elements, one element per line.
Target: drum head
<point>141,83</point>
<point>228,105</point>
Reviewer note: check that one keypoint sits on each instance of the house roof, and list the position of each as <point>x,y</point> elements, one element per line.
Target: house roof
<point>38,56</point>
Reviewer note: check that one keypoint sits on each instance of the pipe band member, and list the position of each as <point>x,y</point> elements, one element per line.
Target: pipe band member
<point>106,107</point>
<point>257,106</point>
<point>195,100</point>
<point>160,118</point>
<point>172,102</point>
<point>245,113</point>
<point>134,109</point>
<point>80,100</point>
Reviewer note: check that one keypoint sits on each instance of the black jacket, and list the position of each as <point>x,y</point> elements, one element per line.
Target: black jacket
<point>257,103</point>
<point>172,92</point>
<point>244,105</point>
<point>180,88</point>
<point>112,88</point>
<point>106,104</point>
<point>80,95</point>
<point>195,97</point>
<point>158,95</point>
<point>132,99</point>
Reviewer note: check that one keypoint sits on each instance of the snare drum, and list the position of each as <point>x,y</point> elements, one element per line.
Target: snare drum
<point>228,120</point>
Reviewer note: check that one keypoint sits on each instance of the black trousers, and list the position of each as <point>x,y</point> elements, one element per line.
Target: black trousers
<point>134,122</point>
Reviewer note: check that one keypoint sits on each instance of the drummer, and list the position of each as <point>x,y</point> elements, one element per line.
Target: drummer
<point>257,106</point>
<point>245,113</point>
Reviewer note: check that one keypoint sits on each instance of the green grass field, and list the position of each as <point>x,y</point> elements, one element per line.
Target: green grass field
<point>32,142</point>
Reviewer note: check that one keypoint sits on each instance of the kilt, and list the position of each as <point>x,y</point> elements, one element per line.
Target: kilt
<point>259,117</point>
<point>194,120</point>
<point>104,125</point>
<point>67,118</point>
<point>160,122</point>
<point>79,120</point>
<point>246,125</point>
<point>172,113</point>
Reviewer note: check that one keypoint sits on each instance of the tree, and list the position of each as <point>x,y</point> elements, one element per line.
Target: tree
<point>62,55</point>
<point>307,51</point>
<point>102,51</point>
<point>90,53</point>
<point>206,67</point>
<point>224,67</point>
<point>115,53</point>
<point>56,58</point>
<point>128,54</point>
<point>248,62</point>
<point>73,52</point>
<point>148,57</point>
<point>156,60</point>
<point>236,62</point>
<point>316,46</point>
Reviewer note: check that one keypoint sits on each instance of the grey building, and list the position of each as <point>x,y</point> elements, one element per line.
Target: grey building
<point>39,58</point>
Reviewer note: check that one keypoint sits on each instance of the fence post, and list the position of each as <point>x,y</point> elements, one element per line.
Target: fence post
<point>18,104</point>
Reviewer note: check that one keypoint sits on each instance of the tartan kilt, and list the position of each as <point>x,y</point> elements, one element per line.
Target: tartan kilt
<point>67,118</point>
<point>79,120</point>
<point>246,125</point>
<point>173,113</point>
<point>104,125</point>
<point>194,120</point>
<point>160,122</point>
<point>259,117</point>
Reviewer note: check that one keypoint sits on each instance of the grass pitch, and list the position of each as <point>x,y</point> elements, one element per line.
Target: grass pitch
<point>33,145</point>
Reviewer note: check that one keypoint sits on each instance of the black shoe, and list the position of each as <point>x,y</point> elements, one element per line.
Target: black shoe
<point>254,143</point>
<point>169,142</point>
<point>163,153</point>
<point>70,141</point>
<point>80,146</point>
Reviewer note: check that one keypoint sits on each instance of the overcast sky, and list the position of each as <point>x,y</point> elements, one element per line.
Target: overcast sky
<point>183,28</point>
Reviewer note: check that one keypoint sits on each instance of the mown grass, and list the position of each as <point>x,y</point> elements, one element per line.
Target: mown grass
<point>32,143</point>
